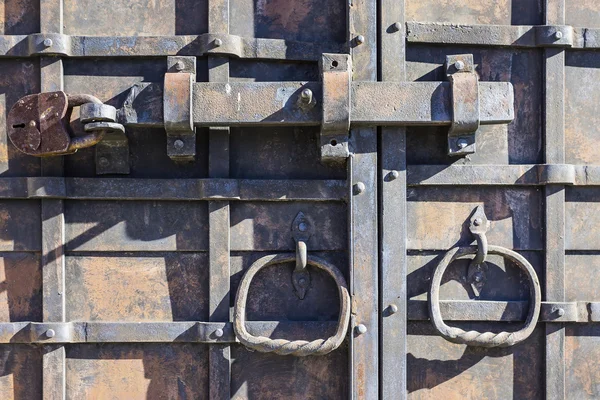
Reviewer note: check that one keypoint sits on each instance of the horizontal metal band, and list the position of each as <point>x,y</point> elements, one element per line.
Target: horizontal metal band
<point>503,35</point>
<point>148,332</point>
<point>503,175</point>
<point>277,103</point>
<point>151,46</point>
<point>506,311</point>
<point>172,189</point>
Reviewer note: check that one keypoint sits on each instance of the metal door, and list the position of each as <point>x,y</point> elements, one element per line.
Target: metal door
<point>258,199</point>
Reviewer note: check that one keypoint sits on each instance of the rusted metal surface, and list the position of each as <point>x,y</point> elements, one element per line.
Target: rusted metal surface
<point>123,287</point>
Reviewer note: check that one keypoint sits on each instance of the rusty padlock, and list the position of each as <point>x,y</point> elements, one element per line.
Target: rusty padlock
<point>39,124</point>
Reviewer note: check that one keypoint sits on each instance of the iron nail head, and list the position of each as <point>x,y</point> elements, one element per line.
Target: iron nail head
<point>558,35</point>
<point>361,329</point>
<point>560,312</point>
<point>218,43</point>
<point>462,143</point>
<point>178,144</point>
<point>103,162</point>
<point>179,66</point>
<point>360,39</point>
<point>394,175</point>
<point>47,42</point>
<point>219,332</point>
<point>359,188</point>
<point>393,308</point>
<point>459,65</point>
<point>50,333</point>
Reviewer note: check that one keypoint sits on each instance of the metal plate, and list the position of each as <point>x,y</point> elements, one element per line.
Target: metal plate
<point>122,286</point>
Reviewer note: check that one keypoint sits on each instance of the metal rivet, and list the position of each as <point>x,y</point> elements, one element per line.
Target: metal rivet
<point>50,333</point>
<point>359,188</point>
<point>478,278</point>
<point>32,123</point>
<point>21,102</point>
<point>302,226</point>
<point>396,26</point>
<point>462,143</point>
<point>55,95</point>
<point>179,66</point>
<point>393,308</point>
<point>47,42</point>
<point>178,144</point>
<point>459,65</point>
<point>219,332</point>
<point>558,35</point>
<point>560,312</point>
<point>360,39</point>
<point>103,162</point>
<point>393,175</point>
<point>306,95</point>
<point>218,43</point>
<point>477,222</point>
<point>302,281</point>
<point>361,329</point>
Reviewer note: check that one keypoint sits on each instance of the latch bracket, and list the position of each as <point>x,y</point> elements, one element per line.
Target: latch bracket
<point>177,108</point>
<point>336,76</point>
<point>464,87</point>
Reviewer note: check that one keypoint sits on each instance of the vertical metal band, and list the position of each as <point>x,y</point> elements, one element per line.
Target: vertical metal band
<point>555,203</point>
<point>219,233</point>
<point>363,213</point>
<point>53,224</point>
<point>392,212</point>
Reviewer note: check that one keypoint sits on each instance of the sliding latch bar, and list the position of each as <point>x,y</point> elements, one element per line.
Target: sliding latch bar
<point>179,105</point>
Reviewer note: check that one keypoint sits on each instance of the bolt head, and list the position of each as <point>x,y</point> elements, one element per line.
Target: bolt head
<point>361,329</point>
<point>178,144</point>
<point>393,308</point>
<point>219,333</point>
<point>462,143</point>
<point>50,333</point>
<point>359,188</point>
<point>47,42</point>
<point>459,65</point>
<point>218,43</point>
<point>393,175</point>
<point>179,66</point>
<point>396,26</point>
<point>558,35</point>
<point>360,39</point>
<point>560,312</point>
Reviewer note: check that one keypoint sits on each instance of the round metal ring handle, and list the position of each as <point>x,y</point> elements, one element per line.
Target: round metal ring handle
<point>282,346</point>
<point>484,339</point>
